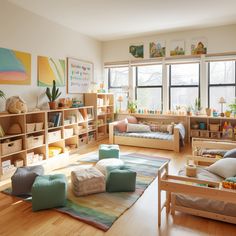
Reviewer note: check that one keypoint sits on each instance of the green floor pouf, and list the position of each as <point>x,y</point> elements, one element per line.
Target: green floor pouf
<point>121,180</point>
<point>109,151</point>
<point>49,191</point>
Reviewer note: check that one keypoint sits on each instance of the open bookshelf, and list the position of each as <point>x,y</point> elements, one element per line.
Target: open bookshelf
<point>103,104</point>
<point>39,137</point>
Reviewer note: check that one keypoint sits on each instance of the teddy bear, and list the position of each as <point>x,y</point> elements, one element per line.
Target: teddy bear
<point>16,105</point>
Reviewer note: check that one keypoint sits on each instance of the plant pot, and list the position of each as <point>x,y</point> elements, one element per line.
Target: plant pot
<point>52,105</point>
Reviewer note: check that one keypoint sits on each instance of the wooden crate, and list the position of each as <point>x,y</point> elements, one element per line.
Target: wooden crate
<point>11,147</point>
<point>34,141</point>
<point>215,135</point>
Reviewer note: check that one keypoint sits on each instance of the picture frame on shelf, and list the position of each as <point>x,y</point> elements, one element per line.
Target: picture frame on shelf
<point>79,75</point>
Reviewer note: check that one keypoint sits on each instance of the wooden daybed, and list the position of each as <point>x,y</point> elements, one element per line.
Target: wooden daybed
<point>203,197</point>
<point>171,144</point>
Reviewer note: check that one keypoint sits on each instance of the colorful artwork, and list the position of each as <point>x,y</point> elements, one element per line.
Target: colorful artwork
<point>136,50</point>
<point>79,75</point>
<point>157,49</point>
<point>198,46</point>
<point>15,67</point>
<point>177,47</point>
<point>50,69</point>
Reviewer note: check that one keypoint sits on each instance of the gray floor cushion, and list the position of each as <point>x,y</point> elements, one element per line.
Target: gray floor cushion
<point>23,179</point>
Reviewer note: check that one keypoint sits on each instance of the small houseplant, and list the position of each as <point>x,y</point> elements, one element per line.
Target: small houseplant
<point>233,107</point>
<point>53,95</point>
<point>132,106</point>
<point>197,106</point>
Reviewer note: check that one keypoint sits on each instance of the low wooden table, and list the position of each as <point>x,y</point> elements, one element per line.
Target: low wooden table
<point>173,184</point>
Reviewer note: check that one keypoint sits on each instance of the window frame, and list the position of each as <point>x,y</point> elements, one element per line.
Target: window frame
<point>109,78</point>
<point>209,85</point>
<point>185,86</point>
<point>148,86</point>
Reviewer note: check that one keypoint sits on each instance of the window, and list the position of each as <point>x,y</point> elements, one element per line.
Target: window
<point>149,87</point>
<point>222,82</point>
<point>183,84</point>
<point>118,84</point>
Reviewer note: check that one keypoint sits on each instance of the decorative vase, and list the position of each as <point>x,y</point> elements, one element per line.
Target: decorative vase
<point>52,105</point>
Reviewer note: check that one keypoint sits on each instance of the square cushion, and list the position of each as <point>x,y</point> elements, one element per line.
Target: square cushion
<point>137,128</point>
<point>109,151</point>
<point>224,167</point>
<point>23,179</point>
<point>121,180</point>
<point>87,181</point>
<point>49,191</point>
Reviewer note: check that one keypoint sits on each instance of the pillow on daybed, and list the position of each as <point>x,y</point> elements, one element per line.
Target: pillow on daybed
<point>162,128</point>
<point>121,125</point>
<point>224,167</point>
<point>230,153</point>
<point>132,120</point>
<point>137,128</point>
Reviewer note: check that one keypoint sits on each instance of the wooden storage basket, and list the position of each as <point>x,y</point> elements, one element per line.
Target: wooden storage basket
<point>11,147</point>
<point>30,127</point>
<point>34,141</point>
<point>54,136</point>
<point>214,127</point>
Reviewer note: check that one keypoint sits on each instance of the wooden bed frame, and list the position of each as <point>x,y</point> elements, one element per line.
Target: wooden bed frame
<point>145,142</point>
<point>173,185</point>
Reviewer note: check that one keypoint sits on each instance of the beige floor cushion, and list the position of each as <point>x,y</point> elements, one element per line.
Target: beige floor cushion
<point>103,164</point>
<point>87,181</point>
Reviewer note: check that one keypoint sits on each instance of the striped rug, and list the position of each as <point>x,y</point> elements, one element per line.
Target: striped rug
<point>103,209</point>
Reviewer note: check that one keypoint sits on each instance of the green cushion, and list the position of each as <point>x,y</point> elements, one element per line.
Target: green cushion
<point>108,151</point>
<point>121,180</point>
<point>49,191</point>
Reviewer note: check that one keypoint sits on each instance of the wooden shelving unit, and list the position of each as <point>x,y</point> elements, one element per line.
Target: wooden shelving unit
<point>41,130</point>
<point>103,104</point>
<point>213,127</point>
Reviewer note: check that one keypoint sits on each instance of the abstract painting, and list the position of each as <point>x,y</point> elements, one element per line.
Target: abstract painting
<point>177,47</point>
<point>199,46</point>
<point>136,50</point>
<point>50,69</point>
<point>157,49</point>
<point>79,75</point>
<point>15,67</point>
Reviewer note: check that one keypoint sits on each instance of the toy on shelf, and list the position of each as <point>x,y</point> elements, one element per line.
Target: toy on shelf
<point>16,105</point>
<point>227,130</point>
<point>229,183</point>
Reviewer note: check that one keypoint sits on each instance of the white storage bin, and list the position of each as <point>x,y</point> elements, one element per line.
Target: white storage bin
<point>54,136</point>
<point>34,141</point>
<point>68,132</point>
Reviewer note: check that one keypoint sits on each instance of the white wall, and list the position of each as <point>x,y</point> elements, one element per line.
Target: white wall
<point>25,31</point>
<point>220,39</point>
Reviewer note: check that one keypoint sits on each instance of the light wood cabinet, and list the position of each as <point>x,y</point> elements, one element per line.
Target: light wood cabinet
<point>37,131</point>
<point>103,104</point>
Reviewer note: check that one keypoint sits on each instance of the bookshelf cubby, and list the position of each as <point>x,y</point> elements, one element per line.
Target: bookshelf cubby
<point>37,131</point>
<point>103,104</point>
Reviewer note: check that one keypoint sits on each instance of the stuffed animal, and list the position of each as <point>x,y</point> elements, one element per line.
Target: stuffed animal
<point>16,105</point>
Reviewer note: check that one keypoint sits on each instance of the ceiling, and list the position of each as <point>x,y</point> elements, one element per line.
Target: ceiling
<point>116,19</point>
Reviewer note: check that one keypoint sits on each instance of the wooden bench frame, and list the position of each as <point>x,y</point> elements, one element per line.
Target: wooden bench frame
<point>173,184</point>
<point>145,142</point>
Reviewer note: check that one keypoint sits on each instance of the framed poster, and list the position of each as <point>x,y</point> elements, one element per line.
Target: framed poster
<point>177,47</point>
<point>50,69</point>
<point>79,75</point>
<point>136,50</point>
<point>199,46</point>
<point>157,49</point>
<point>15,67</point>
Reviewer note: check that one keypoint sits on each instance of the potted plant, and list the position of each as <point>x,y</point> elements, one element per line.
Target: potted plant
<point>233,107</point>
<point>197,106</point>
<point>132,106</point>
<point>189,109</point>
<point>53,95</point>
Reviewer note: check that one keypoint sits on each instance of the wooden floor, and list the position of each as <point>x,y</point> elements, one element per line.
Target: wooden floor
<point>16,217</point>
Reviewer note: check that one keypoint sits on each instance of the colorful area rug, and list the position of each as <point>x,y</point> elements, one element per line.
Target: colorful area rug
<point>103,209</point>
